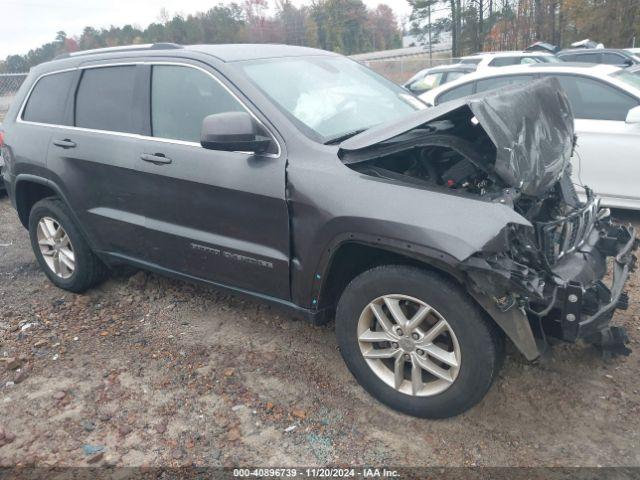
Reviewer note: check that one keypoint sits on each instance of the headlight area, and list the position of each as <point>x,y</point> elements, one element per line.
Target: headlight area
<point>563,296</point>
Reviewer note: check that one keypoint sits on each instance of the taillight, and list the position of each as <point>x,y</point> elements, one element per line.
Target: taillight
<point>1,138</point>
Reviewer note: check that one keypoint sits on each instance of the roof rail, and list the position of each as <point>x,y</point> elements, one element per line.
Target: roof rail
<point>122,48</point>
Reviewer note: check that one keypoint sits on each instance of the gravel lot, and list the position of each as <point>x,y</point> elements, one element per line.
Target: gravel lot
<point>150,371</point>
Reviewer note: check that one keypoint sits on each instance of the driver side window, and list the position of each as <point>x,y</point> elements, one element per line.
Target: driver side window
<point>180,99</point>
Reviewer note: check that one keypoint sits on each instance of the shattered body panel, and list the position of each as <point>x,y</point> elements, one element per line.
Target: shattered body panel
<point>480,186</point>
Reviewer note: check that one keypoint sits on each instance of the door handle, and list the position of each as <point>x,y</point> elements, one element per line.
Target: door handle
<point>66,143</point>
<point>156,158</point>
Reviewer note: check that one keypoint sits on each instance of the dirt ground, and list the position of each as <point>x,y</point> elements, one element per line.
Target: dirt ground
<point>150,371</point>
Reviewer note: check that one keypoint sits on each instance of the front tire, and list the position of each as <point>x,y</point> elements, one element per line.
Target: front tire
<point>61,250</point>
<point>417,342</point>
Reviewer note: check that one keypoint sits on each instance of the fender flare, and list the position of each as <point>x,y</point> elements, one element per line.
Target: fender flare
<point>433,257</point>
<point>28,177</point>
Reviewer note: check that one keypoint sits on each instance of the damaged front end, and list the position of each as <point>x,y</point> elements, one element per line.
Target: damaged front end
<point>514,147</point>
<point>553,272</point>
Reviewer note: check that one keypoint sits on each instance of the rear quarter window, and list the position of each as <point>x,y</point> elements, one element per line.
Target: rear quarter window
<point>104,100</point>
<point>455,93</point>
<point>48,99</point>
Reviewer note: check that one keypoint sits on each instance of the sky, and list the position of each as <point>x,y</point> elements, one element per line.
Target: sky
<point>27,24</point>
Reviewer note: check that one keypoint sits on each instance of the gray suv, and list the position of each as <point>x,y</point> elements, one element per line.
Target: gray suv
<point>302,178</point>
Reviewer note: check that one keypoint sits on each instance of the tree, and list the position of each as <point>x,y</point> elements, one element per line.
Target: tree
<point>345,26</point>
<point>383,27</point>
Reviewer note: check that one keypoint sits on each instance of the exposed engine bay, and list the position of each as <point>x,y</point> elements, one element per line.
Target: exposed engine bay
<point>483,148</point>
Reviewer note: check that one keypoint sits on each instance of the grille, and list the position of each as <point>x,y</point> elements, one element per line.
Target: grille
<point>561,237</point>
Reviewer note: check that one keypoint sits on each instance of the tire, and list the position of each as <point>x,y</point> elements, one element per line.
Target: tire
<point>480,345</point>
<point>88,269</point>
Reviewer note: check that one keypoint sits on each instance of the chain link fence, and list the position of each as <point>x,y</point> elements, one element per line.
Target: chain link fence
<point>401,64</point>
<point>402,69</point>
<point>9,85</point>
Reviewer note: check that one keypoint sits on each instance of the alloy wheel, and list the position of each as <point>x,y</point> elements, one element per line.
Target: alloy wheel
<point>56,248</point>
<point>409,345</point>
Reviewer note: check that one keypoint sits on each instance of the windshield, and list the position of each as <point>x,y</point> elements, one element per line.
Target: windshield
<point>330,97</point>
<point>627,78</point>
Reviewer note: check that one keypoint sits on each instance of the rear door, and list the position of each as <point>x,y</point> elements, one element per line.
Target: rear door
<point>43,114</point>
<point>94,158</point>
<point>607,152</point>
<point>215,215</point>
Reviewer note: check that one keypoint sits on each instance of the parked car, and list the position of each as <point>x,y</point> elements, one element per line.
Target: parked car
<point>543,47</point>
<point>586,44</point>
<point>429,78</point>
<point>504,59</point>
<point>633,51</point>
<point>304,179</point>
<point>607,56</point>
<point>604,100</point>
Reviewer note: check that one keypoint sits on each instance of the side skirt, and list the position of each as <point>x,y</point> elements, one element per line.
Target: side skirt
<point>316,317</point>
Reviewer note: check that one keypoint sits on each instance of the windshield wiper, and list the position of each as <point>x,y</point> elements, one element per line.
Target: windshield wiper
<point>344,136</point>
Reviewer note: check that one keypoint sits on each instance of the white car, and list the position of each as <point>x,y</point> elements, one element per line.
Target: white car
<point>606,105</point>
<point>506,59</point>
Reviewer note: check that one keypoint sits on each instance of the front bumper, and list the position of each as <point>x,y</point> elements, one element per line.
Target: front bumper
<point>584,312</point>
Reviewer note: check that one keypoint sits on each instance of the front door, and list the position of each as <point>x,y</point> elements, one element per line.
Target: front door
<point>214,215</point>
<point>606,158</point>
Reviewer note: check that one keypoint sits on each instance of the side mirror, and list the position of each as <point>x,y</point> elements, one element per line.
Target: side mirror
<point>633,115</point>
<point>233,132</point>
<point>628,62</point>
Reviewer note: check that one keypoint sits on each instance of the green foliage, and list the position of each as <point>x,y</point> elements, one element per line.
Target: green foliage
<point>344,26</point>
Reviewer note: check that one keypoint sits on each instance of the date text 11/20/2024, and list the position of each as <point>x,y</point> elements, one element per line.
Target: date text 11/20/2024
<point>316,472</point>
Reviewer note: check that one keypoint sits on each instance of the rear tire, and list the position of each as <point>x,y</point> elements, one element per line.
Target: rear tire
<point>468,348</point>
<point>60,248</point>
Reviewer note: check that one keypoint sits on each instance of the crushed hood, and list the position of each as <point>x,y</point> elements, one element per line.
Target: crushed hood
<point>530,125</point>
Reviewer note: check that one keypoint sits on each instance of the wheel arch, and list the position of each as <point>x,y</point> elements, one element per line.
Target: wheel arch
<point>363,252</point>
<point>30,189</point>
<point>352,254</point>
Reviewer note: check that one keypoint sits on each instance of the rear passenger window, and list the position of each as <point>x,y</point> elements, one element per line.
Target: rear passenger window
<point>569,58</point>
<point>499,82</point>
<point>504,61</point>
<point>588,57</point>
<point>105,99</point>
<point>613,59</point>
<point>451,76</point>
<point>180,99</point>
<point>48,99</point>
<point>455,93</point>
